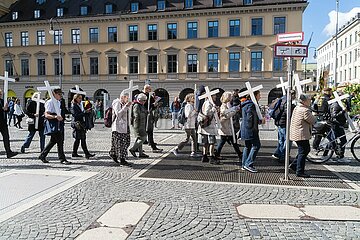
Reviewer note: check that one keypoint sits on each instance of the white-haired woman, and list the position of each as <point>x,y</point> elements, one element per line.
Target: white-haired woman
<point>225,131</point>
<point>120,136</point>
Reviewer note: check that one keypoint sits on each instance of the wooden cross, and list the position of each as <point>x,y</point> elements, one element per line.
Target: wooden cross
<point>283,85</point>
<point>6,80</point>
<point>208,94</point>
<point>36,97</point>
<point>250,91</point>
<point>299,83</point>
<point>77,90</point>
<point>50,89</point>
<point>338,100</point>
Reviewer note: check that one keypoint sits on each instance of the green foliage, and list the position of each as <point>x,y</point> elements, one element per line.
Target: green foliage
<point>355,102</point>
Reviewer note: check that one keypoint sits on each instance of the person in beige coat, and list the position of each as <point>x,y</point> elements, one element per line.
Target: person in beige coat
<point>300,131</point>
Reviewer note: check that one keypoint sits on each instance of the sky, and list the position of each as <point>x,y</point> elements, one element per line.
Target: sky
<point>320,18</point>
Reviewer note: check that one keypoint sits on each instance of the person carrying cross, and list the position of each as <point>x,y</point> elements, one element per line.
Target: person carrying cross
<point>4,108</point>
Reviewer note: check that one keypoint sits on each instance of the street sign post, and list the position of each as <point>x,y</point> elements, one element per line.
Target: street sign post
<point>290,37</point>
<point>282,50</point>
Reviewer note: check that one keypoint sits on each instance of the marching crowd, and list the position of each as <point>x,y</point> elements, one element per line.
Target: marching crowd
<point>236,118</point>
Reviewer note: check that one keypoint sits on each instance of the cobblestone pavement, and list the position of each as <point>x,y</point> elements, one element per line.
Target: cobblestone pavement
<point>179,210</point>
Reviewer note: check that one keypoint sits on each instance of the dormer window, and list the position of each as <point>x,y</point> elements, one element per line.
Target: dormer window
<point>109,8</point>
<point>134,7</point>
<point>189,3</point>
<point>161,4</point>
<point>217,3</point>
<point>40,1</point>
<point>248,2</point>
<point>60,12</point>
<point>37,14</point>
<point>15,15</point>
<point>84,10</point>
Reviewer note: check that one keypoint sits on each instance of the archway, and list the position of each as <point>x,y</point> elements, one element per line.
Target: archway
<point>11,94</point>
<point>98,95</point>
<point>274,93</point>
<point>28,94</point>
<point>218,96</point>
<point>160,92</point>
<point>71,95</point>
<point>185,92</point>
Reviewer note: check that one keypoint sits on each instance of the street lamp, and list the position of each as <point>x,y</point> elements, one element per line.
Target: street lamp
<point>52,32</point>
<point>314,56</point>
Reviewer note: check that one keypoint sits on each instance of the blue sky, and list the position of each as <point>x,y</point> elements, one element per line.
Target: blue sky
<point>316,18</point>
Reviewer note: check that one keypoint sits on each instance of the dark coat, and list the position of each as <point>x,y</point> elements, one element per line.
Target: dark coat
<point>337,114</point>
<point>3,114</point>
<point>78,118</point>
<point>30,111</point>
<point>250,121</point>
<point>139,120</point>
<point>283,109</point>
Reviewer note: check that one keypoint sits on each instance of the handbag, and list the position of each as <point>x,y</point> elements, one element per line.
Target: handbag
<point>30,121</point>
<point>51,126</point>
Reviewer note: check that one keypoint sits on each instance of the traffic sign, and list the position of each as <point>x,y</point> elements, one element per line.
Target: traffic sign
<point>290,37</point>
<point>291,50</point>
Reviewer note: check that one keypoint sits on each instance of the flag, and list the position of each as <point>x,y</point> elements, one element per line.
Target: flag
<point>308,44</point>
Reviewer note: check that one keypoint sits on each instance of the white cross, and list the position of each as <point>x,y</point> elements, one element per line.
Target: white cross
<point>338,100</point>
<point>50,89</point>
<point>283,85</point>
<point>208,94</point>
<point>299,83</point>
<point>6,80</point>
<point>130,89</point>
<point>77,90</point>
<point>36,97</point>
<point>250,91</point>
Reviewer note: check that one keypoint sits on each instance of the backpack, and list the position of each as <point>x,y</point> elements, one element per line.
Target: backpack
<point>275,109</point>
<point>181,115</point>
<point>108,118</point>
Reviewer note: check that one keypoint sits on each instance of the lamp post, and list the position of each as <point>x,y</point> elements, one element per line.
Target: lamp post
<point>306,61</point>
<point>52,32</point>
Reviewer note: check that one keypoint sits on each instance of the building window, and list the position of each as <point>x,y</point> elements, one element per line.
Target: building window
<point>40,1</point>
<point>133,64</point>
<point>108,8</point>
<point>192,63</point>
<point>248,2</point>
<point>75,36</point>
<point>213,29</point>
<point>57,66</point>
<point>57,36</point>
<point>172,30</point>
<point>189,3</point>
<point>350,40</point>
<point>192,30</point>
<point>355,72</point>
<point>213,62</point>
<point>94,66</point>
<point>161,5</point>
<point>345,44</point>
<point>94,35</point>
<point>83,10</point>
<point>350,57</point>
<point>278,64</point>
<point>40,37</point>
<point>256,26</point>
<point>172,63</point>
<point>112,34</point>
<point>279,25</point>
<point>75,63</point>
<point>8,39</point>
<point>355,54</point>
<point>15,15</point>
<point>24,39</point>
<point>60,12</point>
<point>234,62</point>
<point>152,32</point>
<point>356,36</point>
<point>234,26</point>
<point>36,13</point>
<point>41,67</point>
<point>152,64</point>
<point>217,3</point>
<point>112,65</point>
<point>256,61</point>
<point>25,67</point>
<point>133,32</point>
<point>134,7</point>
<point>9,67</point>
<point>345,59</point>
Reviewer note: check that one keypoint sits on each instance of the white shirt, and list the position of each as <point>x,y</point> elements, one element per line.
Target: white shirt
<point>50,107</point>
<point>18,110</point>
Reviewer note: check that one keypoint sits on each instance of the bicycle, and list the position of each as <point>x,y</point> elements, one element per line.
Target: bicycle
<point>330,145</point>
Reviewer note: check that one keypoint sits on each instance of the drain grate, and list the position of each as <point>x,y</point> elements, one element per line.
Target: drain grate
<point>270,171</point>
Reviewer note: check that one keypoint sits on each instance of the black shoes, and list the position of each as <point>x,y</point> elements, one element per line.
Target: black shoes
<point>76,155</point>
<point>303,175</point>
<point>22,150</point>
<point>132,153</point>
<point>11,154</point>
<point>123,162</point>
<point>205,158</point>
<point>43,159</point>
<point>65,162</point>
<point>157,150</point>
<point>292,167</point>
<point>215,160</point>
<point>143,155</point>
<point>88,156</point>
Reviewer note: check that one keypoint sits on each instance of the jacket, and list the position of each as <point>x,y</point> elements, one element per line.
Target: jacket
<point>250,121</point>
<point>226,114</point>
<point>18,110</point>
<point>190,115</point>
<point>301,123</point>
<point>208,110</point>
<point>139,120</point>
<point>337,115</point>
<point>120,115</point>
<point>78,118</point>
<point>283,109</point>
<point>30,111</point>
<point>3,115</point>
<point>175,107</point>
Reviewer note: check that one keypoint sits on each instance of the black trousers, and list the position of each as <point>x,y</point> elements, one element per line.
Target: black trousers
<point>6,139</point>
<point>83,146</point>
<point>303,151</point>
<point>340,132</point>
<point>58,139</point>
<point>150,134</point>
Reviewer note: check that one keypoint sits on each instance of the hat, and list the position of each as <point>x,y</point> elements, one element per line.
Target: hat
<point>141,97</point>
<point>124,93</point>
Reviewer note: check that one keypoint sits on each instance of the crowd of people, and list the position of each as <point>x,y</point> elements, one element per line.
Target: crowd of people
<point>236,118</point>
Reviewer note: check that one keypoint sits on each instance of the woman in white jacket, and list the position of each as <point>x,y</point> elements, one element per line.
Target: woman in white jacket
<point>189,126</point>
<point>19,113</point>
<point>120,138</point>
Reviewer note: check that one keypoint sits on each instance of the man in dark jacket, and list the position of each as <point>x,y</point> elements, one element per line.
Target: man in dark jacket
<point>30,111</point>
<point>250,133</point>
<point>4,127</point>
<point>281,125</point>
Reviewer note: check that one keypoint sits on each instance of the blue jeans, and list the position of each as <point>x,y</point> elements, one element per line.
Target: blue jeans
<point>251,149</point>
<point>174,116</point>
<point>31,135</point>
<point>281,147</point>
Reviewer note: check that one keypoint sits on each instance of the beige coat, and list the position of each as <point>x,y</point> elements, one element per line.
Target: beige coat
<point>301,123</point>
<point>226,114</point>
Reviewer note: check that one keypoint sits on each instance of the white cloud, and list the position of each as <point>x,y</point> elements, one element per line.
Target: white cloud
<point>330,28</point>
